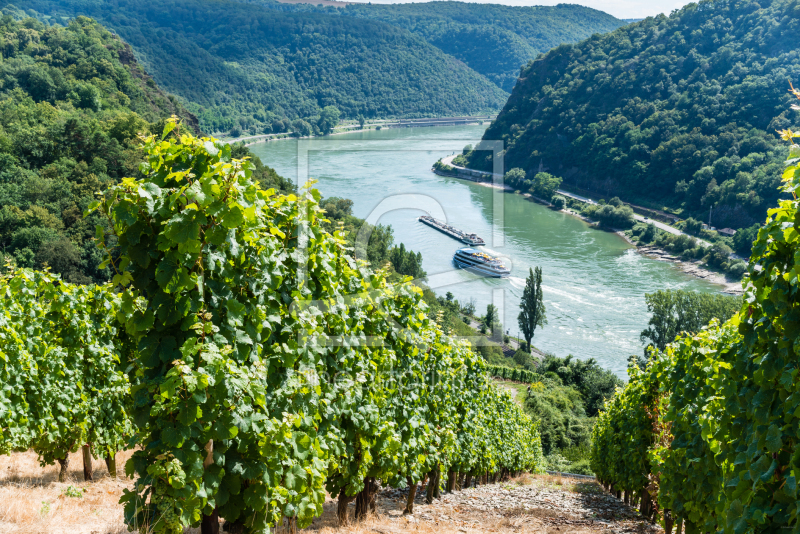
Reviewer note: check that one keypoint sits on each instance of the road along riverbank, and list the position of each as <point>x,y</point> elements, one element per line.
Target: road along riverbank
<point>693,268</point>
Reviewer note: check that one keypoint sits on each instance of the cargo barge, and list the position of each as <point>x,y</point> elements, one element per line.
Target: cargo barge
<point>455,233</point>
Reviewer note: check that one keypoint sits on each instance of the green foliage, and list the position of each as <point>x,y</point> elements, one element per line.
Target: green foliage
<point>676,311</point>
<point>379,247</point>
<point>406,262</point>
<point>57,148</point>
<point>559,202</point>
<point>495,40</point>
<point>676,111</point>
<point>609,215</point>
<point>491,352</point>
<point>692,226</point>
<point>595,384</point>
<point>743,240</point>
<point>532,310</point>
<point>202,247</point>
<point>61,356</point>
<point>561,415</point>
<point>442,167</point>
<point>267,371</point>
<point>72,491</point>
<point>623,433</point>
<point>524,359</point>
<point>253,67</point>
<point>721,405</point>
<point>545,185</point>
<point>328,119</point>
<point>515,177</point>
<point>520,375</point>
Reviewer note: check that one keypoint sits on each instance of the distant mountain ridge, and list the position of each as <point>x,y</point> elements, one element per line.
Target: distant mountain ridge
<point>246,66</point>
<point>677,111</point>
<point>495,40</point>
<point>256,67</point>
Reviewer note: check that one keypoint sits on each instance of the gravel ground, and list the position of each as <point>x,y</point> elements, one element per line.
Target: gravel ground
<point>543,504</point>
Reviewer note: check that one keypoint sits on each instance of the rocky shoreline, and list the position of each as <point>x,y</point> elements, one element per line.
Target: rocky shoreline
<point>693,268</point>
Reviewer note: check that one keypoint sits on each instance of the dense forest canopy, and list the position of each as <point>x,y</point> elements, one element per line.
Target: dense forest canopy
<point>494,40</point>
<point>677,111</point>
<point>246,67</point>
<point>72,101</point>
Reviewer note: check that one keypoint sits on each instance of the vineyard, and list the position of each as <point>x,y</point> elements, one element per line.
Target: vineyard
<point>706,436</point>
<point>518,375</point>
<point>249,360</point>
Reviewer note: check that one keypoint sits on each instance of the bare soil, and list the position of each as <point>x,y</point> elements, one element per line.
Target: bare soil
<point>33,501</point>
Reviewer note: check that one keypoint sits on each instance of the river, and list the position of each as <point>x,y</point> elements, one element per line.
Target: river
<point>593,281</point>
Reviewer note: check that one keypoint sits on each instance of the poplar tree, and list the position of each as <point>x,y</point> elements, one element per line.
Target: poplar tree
<point>532,306</point>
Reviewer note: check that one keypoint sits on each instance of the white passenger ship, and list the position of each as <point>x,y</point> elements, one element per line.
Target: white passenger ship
<point>480,262</point>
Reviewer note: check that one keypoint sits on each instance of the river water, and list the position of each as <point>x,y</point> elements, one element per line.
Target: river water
<point>593,281</point>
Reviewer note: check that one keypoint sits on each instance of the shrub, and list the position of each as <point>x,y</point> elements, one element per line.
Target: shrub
<point>736,269</point>
<point>561,415</point>
<point>545,185</point>
<point>610,216</point>
<point>558,202</point>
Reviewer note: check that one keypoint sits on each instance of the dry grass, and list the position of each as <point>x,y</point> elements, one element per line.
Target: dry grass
<point>33,501</point>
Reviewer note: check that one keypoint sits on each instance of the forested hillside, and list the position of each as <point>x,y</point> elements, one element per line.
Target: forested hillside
<point>249,68</point>
<point>677,111</point>
<point>494,40</point>
<point>72,101</point>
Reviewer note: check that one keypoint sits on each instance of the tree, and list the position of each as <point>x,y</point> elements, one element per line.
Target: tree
<point>524,359</point>
<point>469,307</point>
<point>676,311</point>
<point>532,305</point>
<point>545,185</point>
<point>328,119</point>
<point>515,177</point>
<point>361,121</point>
<point>692,226</point>
<point>743,239</point>
<point>301,128</point>
<point>491,315</point>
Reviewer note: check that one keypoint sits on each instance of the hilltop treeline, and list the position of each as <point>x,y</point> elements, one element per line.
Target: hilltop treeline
<point>257,70</point>
<point>258,67</point>
<point>494,40</point>
<point>677,111</point>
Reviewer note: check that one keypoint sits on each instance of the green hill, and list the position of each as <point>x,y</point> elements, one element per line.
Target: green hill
<point>72,101</point>
<point>677,111</point>
<point>246,66</point>
<point>495,40</point>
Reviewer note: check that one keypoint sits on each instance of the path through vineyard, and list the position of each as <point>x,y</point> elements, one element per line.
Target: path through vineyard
<point>32,501</point>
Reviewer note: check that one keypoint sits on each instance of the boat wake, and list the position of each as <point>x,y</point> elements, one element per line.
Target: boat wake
<point>517,282</point>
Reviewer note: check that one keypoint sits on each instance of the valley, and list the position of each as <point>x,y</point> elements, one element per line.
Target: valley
<point>594,281</point>
<point>220,311</point>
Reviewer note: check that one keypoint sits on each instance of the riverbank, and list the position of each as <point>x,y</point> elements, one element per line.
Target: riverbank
<point>374,125</point>
<point>692,268</point>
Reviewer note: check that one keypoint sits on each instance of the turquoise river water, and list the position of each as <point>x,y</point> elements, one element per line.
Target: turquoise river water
<point>594,282</point>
